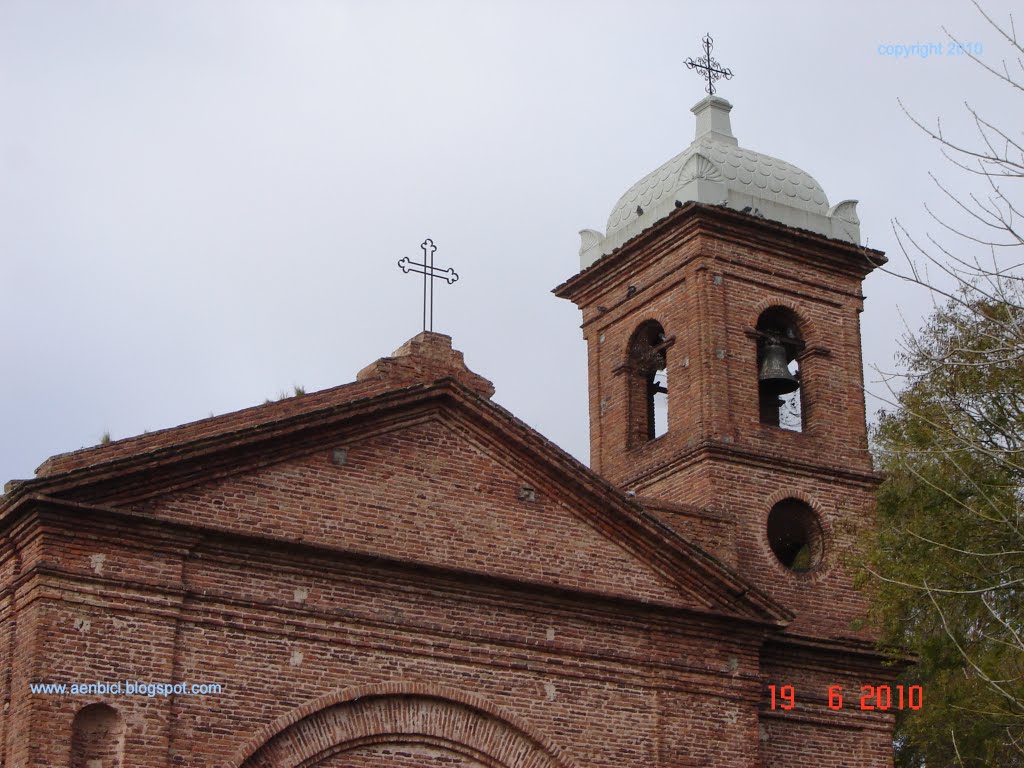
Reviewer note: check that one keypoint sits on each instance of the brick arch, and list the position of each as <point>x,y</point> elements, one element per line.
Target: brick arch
<point>639,365</point>
<point>807,329</point>
<point>808,366</point>
<point>799,494</point>
<point>396,714</point>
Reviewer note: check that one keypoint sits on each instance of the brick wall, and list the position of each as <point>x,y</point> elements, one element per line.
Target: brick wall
<point>706,275</point>
<point>397,571</point>
<point>279,626</point>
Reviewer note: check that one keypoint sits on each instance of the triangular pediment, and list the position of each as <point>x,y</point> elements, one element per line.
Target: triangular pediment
<point>428,492</point>
<point>413,464</point>
<point>434,475</point>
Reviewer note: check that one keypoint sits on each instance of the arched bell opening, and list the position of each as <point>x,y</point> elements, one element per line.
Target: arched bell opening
<point>647,383</point>
<point>779,345</point>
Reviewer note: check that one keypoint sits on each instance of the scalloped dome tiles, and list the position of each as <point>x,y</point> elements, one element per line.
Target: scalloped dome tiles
<point>714,169</point>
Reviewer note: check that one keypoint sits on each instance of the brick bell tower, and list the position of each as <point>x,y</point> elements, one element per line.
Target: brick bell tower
<point>721,314</point>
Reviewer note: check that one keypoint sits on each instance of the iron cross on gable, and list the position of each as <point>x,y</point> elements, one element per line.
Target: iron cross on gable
<point>430,273</point>
<point>710,68</point>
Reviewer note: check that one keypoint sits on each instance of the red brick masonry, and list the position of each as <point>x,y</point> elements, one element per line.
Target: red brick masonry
<point>398,572</point>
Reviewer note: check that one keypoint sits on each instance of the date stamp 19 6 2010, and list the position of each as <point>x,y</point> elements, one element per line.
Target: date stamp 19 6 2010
<point>871,697</point>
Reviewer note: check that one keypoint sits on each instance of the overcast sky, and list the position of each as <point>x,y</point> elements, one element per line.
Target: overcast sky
<point>202,203</point>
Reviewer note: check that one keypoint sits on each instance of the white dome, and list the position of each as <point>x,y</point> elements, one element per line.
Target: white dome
<point>714,169</point>
<point>739,169</point>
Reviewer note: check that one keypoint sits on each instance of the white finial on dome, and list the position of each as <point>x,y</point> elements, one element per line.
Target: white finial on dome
<point>713,120</point>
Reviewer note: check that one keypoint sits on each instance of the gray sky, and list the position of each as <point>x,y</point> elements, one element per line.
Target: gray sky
<point>202,204</point>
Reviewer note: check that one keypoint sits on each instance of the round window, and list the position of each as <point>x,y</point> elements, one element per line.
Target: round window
<point>795,535</point>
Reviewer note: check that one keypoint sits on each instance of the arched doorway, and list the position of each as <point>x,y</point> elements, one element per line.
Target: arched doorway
<point>394,728</point>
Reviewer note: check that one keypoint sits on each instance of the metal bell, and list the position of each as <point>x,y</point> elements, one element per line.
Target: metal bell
<point>774,377</point>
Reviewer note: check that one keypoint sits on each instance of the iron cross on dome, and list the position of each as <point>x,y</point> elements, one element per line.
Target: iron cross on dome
<point>710,69</point>
<point>430,273</point>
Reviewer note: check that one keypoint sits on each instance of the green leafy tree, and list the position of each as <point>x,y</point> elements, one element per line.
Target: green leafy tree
<point>947,569</point>
<point>949,560</point>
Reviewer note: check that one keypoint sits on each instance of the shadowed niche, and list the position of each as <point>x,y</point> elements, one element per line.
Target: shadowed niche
<point>97,738</point>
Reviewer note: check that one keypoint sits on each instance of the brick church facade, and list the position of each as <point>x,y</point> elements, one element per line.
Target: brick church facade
<point>398,572</point>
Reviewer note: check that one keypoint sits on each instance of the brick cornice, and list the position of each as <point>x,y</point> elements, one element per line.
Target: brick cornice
<point>694,220</point>
<point>712,449</point>
<point>43,516</point>
<point>858,655</point>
